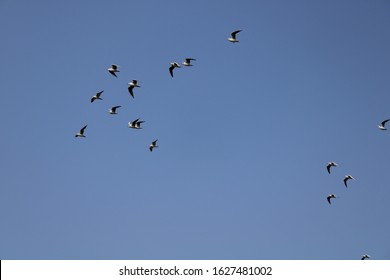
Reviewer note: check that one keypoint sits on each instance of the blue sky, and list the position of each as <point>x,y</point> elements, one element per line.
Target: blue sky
<point>244,135</point>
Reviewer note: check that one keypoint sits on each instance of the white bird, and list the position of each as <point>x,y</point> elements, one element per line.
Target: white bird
<point>346,178</point>
<point>173,66</point>
<point>233,36</point>
<point>135,124</point>
<point>153,145</point>
<point>113,110</point>
<point>113,69</point>
<point>365,256</point>
<point>382,125</point>
<point>187,62</point>
<point>81,133</point>
<point>97,96</point>
<point>330,164</point>
<point>132,85</point>
<point>330,196</point>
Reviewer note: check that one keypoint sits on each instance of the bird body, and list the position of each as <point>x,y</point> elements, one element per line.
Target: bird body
<point>113,69</point>
<point>112,111</point>
<point>381,126</point>
<point>233,36</point>
<point>346,178</point>
<point>329,165</point>
<point>131,86</point>
<point>153,145</point>
<point>330,197</point>
<point>187,62</point>
<point>173,66</point>
<point>81,132</point>
<point>97,96</point>
<point>135,124</point>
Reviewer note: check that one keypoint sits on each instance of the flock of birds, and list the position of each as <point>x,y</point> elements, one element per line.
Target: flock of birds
<point>136,124</point>
<point>381,126</point>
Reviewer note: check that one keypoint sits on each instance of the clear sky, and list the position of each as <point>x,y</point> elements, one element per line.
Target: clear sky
<point>244,135</point>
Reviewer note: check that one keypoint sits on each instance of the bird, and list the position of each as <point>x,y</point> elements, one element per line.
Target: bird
<point>97,96</point>
<point>330,164</point>
<point>173,66</point>
<point>153,145</point>
<point>135,124</point>
<point>330,196</point>
<point>132,85</point>
<point>112,111</point>
<point>233,36</point>
<point>346,178</point>
<point>365,256</point>
<point>382,125</point>
<point>113,69</point>
<point>187,62</point>
<point>81,133</point>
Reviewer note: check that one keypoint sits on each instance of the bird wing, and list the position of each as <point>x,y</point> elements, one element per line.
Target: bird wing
<point>328,167</point>
<point>113,73</point>
<point>171,70</point>
<point>114,66</point>
<point>93,99</point>
<point>328,198</point>
<point>133,123</point>
<point>234,33</point>
<point>82,130</point>
<point>384,122</point>
<point>131,91</point>
<point>115,107</point>
<point>345,182</point>
<point>154,143</point>
<point>99,93</point>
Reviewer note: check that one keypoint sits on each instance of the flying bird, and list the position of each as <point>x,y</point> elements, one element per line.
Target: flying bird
<point>365,256</point>
<point>382,125</point>
<point>346,178</point>
<point>112,111</point>
<point>113,69</point>
<point>135,124</point>
<point>153,145</point>
<point>187,62</point>
<point>97,96</point>
<point>81,132</point>
<point>132,85</point>
<point>173,66</point>
<point>330,164</point>
<point>233,36</point>
<point>330,196</point>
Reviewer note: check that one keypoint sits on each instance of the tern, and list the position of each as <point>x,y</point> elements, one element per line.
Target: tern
<point>81,133</point>
<point>153,145</point>
<point>346,178</point>
<point>382,125</point>
<point>97,96</point>
<point>330,164</point>
<point>233,38</point>
<point>113,69</point>
<point>330,196</point>
<point>365,256</point>
<point>187,62</point>
<point>132,85</point>
<point>112,111</point>
<point>173,66</point>
<point>135,124</point>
